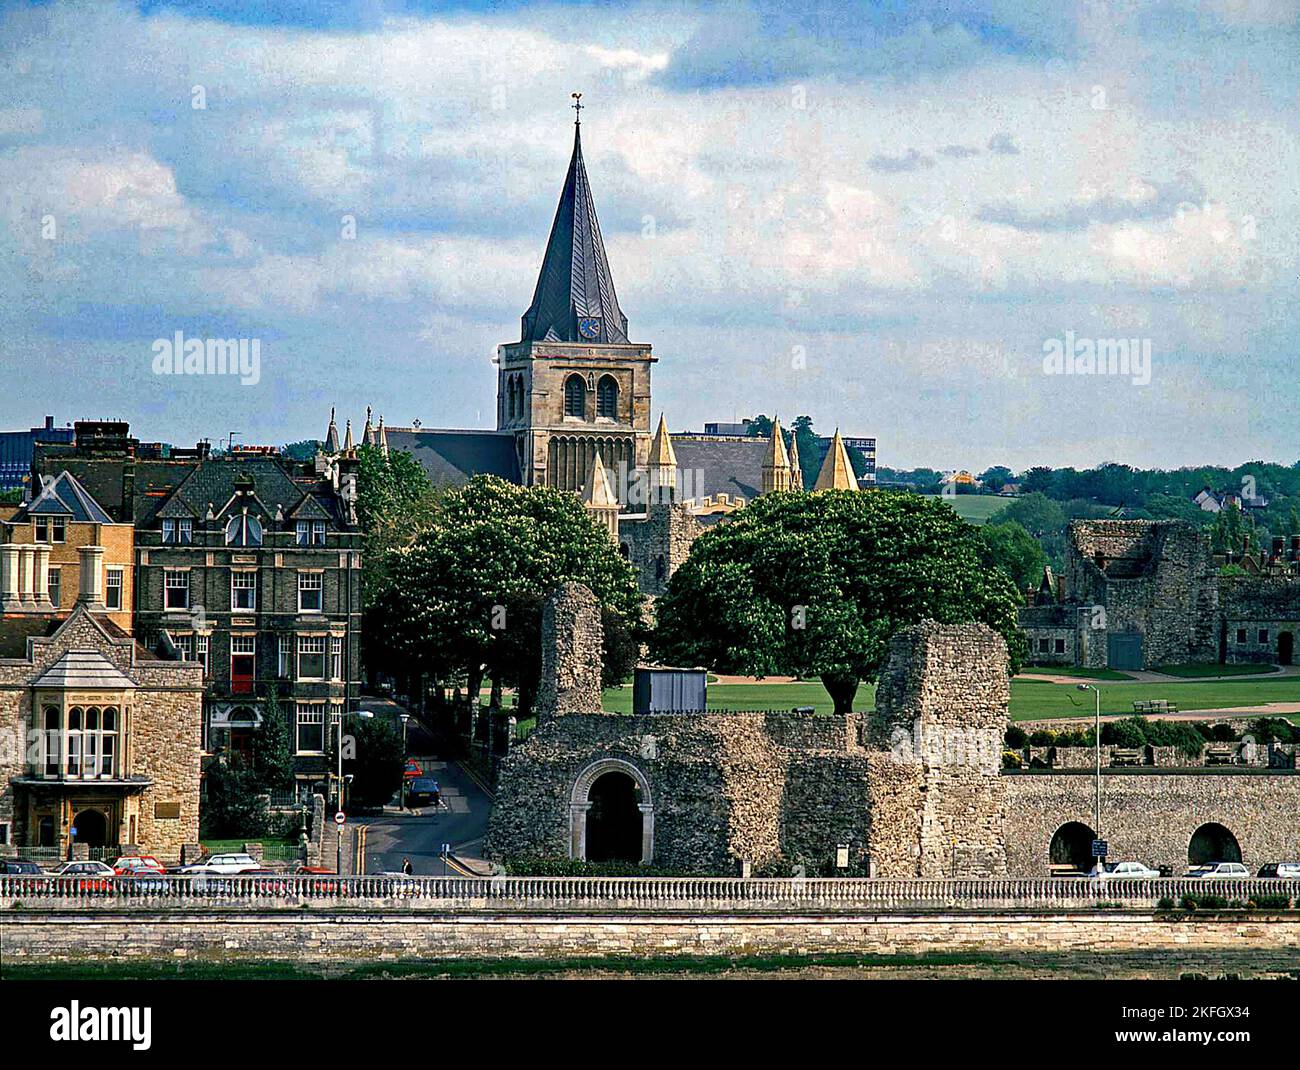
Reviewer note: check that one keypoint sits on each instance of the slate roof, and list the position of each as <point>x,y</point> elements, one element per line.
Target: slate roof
<point>454,457</point>
<point>84,669</point>
<point>731,466</point>
<point>575,281</point>
<point>65,496</point>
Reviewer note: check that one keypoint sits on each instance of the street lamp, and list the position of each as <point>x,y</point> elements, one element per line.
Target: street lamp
<point>402,795</point>
<point>1096,740</point>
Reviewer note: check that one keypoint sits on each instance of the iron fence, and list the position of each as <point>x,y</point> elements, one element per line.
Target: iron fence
<point>634,893</point>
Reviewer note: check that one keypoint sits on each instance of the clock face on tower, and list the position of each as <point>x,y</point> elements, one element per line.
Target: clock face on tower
<point>589,327</point>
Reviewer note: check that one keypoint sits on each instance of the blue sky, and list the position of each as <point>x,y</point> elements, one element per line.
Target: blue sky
<point>879,215</point>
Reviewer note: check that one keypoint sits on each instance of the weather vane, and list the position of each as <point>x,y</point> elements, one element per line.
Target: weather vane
<point>577,108</point>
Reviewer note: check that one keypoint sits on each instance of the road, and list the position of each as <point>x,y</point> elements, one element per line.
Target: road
<point>461,820</point>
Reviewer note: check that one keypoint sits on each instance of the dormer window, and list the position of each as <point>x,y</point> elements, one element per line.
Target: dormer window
<point>244,530</point>
<point>318,533</point>
<point>168,530</point>
<point>185,530</point>
<point>49,528</point>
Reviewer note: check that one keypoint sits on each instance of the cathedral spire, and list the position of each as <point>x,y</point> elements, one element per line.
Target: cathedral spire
<point>332,436</point>
<point>347,438</point>
<point>776,468</point>
<point>574,300</point>
<point>837,471</point>
<point>796,471</point>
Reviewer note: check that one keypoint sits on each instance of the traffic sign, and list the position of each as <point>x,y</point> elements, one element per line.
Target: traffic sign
<point>339,818</point>
<point>1100,848</point>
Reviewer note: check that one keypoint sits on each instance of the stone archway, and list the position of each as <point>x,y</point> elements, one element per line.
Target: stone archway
<point>1072,846</point>
<point>608,796</point>
<point>92,828</point>
<point>1212,843</point>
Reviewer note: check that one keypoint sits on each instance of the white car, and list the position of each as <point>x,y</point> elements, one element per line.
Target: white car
<point>84,869</point>
<point>1220,869</point>
<point>224,865</point>
<point>1130,869</point>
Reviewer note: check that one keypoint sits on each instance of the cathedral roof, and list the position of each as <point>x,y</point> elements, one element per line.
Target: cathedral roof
<point>575,300</point>
<point>454,457</point>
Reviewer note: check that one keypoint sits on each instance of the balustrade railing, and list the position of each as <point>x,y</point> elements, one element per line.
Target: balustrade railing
<point>787,895</point>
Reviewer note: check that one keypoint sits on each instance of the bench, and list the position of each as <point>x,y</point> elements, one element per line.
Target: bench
<point>1064,869</point>
<point>1126,756</point>
<point>1225,754</point>
<point>1154,705</point>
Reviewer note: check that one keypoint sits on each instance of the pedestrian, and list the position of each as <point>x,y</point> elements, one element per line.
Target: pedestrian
<point>406,866</point>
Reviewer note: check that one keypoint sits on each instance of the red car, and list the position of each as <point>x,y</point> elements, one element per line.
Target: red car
<point>133,865</point>
<point>413,769</point>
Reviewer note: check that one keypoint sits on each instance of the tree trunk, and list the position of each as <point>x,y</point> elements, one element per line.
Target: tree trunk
<point>842,690</point>
<point>495,701</point>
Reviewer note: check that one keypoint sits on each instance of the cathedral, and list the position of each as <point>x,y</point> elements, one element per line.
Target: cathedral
<point>574,412</point>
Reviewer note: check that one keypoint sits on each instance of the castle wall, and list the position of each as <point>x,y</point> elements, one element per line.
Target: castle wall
<point>1151,817</point>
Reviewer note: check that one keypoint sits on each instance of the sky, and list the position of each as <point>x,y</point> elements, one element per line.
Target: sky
<point>908,220</point>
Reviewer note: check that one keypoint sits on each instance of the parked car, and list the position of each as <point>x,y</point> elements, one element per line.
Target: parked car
<point>224,864</point>
<point>89,876</point>
<point>20,867</point>
<point>135,864</point>
<point>413,769</point>
<point>1134,870</point>
<point>1220,869</point>
<point>1285,870</point>
<point>423,791</point>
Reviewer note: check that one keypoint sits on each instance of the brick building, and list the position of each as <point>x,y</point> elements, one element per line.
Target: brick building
<point>247,563</point>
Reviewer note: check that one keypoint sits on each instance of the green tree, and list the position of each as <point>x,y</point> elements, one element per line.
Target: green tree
<point>304,450</point>
<point>1036,513</point>
<point>816,585</point>
<point>395,503</point>
<point>272,755</point>
<point>376,763</point>
<point>996,478</point>
<point>465,598</point>
<point>1009,547</point>
<point>236,801</point>
<point>810,449</point>
<point>1229,533</point>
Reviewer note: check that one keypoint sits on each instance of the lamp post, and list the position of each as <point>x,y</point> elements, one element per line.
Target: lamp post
<point>365,715</point>
<point>1096,740</point>
<point>402,795</point>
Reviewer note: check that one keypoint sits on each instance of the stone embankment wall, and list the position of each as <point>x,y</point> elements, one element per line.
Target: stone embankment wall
<point>345,938</point>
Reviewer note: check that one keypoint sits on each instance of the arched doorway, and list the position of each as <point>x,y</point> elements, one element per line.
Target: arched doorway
<point>92,828</point>
<point>1072,846</point>
<point>1213,843</point>
<point>1285,648</point>
<point>614,820</point>
<point>611,814</point>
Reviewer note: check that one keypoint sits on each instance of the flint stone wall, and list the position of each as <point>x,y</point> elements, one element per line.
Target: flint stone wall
<point>923,798</point>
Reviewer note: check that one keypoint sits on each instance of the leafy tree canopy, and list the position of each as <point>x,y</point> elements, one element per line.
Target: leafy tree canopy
<point>1009,547</point>
<point>465,597</point>
<point>816,585</point>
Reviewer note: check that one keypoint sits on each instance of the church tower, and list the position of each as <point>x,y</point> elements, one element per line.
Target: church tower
<point>574,386</point>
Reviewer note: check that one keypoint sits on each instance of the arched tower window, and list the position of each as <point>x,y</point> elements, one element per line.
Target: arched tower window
<point>510,397</point>
<point>575,396</point>
<point>607,397</point>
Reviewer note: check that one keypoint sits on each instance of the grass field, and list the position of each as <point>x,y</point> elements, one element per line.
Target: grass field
<point>1209,668</point>
<point>976,508</point>
<point>1030,699</point>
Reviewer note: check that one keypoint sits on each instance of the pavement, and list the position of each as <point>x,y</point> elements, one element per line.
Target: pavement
<point>1147,676</point>
<point>382,841</point>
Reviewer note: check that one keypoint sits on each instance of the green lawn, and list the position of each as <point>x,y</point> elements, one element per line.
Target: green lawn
<point>1030,699</point>
<point>1075,670</point>
<point>1209,668</point>
<point>976,508</point>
